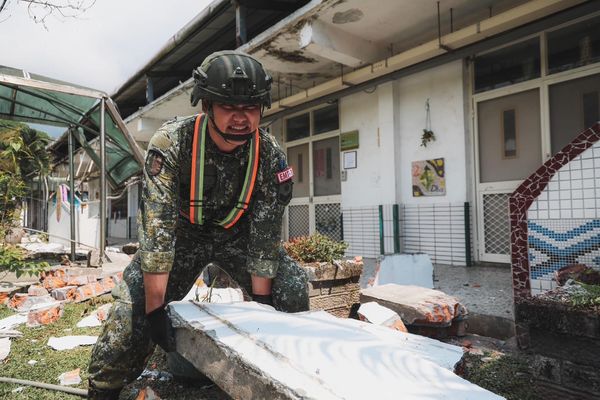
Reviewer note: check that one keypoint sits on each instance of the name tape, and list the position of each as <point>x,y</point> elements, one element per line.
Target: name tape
<point>285,175</point>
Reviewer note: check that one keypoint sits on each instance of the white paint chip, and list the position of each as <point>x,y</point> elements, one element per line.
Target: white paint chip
<point>4,348</point>
<point>70,342</point>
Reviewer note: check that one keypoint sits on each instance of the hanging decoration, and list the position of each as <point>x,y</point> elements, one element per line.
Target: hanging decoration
<point>428,135</point>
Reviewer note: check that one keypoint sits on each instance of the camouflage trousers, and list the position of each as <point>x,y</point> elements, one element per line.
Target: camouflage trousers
<point>124,345</point>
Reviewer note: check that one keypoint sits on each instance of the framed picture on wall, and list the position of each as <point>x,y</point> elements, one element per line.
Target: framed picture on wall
<point>429,178</point>
<point>350,160</point>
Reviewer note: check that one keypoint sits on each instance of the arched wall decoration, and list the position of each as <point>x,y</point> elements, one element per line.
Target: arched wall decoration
<point>522,198</point>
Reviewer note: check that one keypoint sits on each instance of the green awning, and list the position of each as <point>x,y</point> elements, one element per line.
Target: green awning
<point>34,98</point>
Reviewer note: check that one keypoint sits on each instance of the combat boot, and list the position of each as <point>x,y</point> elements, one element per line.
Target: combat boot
<point>95,393</point>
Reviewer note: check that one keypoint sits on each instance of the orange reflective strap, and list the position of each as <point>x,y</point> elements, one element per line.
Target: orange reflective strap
<point>197,177</point>
<point>249,181</point>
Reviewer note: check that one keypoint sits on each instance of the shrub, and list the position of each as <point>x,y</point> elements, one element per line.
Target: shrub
<point>314,248</point>
<point>12,259</point>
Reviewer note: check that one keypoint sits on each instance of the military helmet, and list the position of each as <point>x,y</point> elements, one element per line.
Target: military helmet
<point>232,77</point>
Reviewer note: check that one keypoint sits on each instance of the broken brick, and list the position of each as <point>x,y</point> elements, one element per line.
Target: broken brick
<point>117,278</point>
<point>37,290</point>
<point>44,314</point>
<point>88,291</point>
<point>53,282</point>
<point>107,283</point>
<point>22,302</point>
<point>81,280</point>
<point>3,298</point>
<point>65,293</point>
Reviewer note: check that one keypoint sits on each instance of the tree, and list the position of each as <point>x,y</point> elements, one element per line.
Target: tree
<point>39,10</point>
<point>23,157</point>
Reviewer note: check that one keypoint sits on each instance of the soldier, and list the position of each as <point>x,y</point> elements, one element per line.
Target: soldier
<point>215,188</point>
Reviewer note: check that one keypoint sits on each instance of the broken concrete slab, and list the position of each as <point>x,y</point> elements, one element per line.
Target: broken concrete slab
<point>22,302</point>
<point>70,342</point>
<point>44,314</point>
<point>66,293</point>
<point>96,317</point>
<point>404,269</point>
<point>254,353</point>
<point>339,269</point>
<point>380,315</point>
<point>415,304</point>
<point>37,290</point>
<point>12,321</point>
<point>70,377</point>
<point>4,348</point>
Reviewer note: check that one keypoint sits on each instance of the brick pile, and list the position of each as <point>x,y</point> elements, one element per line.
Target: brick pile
<point>43,302</point>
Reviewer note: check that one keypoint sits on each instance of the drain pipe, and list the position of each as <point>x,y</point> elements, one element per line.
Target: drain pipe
<point>49,386</point>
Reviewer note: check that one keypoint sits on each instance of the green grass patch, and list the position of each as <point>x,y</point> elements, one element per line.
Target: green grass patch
<point>50,363</point>
<point>505,375</point>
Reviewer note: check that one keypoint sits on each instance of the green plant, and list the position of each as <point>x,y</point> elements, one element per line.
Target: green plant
<point>590,296</point>
<point>12,259</point>
<point>315,247</point>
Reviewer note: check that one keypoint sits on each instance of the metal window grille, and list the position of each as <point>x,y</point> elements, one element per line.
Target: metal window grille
<point>327,220</point>
<point>298,218</point>
<point>496,223</point>
<point>361,231</point>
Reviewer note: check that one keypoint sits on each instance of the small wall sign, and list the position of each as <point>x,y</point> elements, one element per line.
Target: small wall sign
<point>349,140</point>
<point>428,178</point>
<point>350,160</point>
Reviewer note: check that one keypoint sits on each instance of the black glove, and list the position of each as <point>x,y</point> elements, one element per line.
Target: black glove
<point>263,298</point>
<point>161,330</point>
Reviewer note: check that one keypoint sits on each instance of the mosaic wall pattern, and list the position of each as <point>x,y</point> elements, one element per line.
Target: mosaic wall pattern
<point>564,208</point>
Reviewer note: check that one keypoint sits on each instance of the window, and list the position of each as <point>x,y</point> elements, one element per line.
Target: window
<point>509,65</point>
<point>324,120</point>
<point>574,46</point>
<point>509,129</point>
<point>297,127</point>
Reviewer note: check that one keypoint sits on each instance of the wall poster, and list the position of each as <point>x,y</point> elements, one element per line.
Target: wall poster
<point>428,178</point>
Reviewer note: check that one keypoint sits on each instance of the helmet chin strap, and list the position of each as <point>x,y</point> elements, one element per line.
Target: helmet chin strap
<point>228,137</point>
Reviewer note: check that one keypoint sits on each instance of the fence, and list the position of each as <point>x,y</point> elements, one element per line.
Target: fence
<point>441,230</point>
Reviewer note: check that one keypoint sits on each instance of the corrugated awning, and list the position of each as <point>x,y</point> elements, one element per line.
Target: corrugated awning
<point>34,98</point>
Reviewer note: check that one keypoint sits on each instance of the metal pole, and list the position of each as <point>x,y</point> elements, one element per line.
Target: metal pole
<point>241,36</point>
<point>381,234</point>
<point>467,216</point>
<point>102,180</point>
<point>396,229</point>
<point>72,192</point>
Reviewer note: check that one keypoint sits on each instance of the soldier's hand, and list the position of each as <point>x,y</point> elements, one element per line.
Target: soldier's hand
<point>161,330</point>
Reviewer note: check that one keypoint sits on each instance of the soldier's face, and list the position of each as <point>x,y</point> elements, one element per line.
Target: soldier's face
<point>237,119</point>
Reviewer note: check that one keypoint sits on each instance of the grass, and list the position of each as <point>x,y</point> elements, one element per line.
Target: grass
<point>50,363</point>
<point>505,375</point>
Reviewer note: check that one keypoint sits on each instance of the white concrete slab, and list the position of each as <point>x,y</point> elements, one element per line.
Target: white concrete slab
<point>70,342</point>
<point>316,355</point>
<point>4,348</point>
<point>14,320</point>
<point>405,269</point>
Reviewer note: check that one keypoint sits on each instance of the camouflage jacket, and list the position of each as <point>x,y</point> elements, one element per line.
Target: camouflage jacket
<point>165,199</point>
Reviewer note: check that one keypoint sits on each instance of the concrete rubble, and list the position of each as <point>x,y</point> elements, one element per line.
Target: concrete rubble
<point>416,305</point>
<point>4,348</point>
<point>70,342</point>
<point>96,317</point>
<point>44,314</point>
<point>379,315</point>
<point>255,353</point>
<point>70,377</point>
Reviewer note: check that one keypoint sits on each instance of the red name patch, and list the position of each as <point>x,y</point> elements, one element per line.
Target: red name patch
<point>285,175</point>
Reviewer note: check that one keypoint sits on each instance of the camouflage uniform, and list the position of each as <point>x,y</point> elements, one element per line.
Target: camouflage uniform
<point>169,242</point>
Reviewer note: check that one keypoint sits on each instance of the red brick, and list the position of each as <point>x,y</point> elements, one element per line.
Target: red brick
<point>44,315</point>
<point>88,291</point>
<point>53,282</point>
<point>81,280</point>
<point>107,283</point>
<point>18,300</point>
<point>64,293</point>
<point>22,302</point>
<point>37,290</point>
<point>3,297</point>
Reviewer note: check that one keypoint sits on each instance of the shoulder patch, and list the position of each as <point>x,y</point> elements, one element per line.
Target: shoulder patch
<point>154,162</point>
<point>285,175</point>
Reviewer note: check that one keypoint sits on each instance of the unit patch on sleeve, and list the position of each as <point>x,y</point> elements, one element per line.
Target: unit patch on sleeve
<point>154,163</point>
<point>285,175</point>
